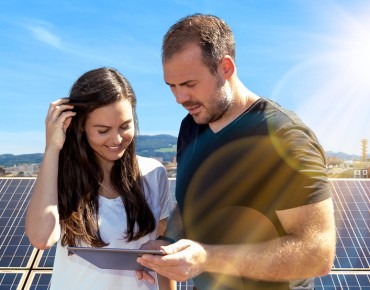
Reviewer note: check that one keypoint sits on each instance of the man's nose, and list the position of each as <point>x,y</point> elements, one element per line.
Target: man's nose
<point>182,95</point>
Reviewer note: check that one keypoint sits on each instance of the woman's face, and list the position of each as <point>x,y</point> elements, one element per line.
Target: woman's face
<point>110,130</point>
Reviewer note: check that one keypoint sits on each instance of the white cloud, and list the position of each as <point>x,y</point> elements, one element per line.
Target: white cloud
<point>42,31</point>
<point>44,35</point>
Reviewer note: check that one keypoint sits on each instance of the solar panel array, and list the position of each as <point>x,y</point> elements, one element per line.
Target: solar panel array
<point>351,268</point>
<point>24,267</point>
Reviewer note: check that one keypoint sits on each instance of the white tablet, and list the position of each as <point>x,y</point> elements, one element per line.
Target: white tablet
<point>113,258</point>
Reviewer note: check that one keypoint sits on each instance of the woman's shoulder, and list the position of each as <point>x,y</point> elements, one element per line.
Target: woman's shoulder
<point>147,164</point>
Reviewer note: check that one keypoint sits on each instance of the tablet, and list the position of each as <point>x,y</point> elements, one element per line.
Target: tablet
<point>113,258</point>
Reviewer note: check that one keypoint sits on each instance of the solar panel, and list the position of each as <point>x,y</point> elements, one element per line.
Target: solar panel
<point>24,267</point>
<point>15,249</point>
<point>351,281</point>
<point>39,280</point>
<point>352,214</point>
<point>351,268</point>
<point>46,258</point>
<point>10,281</point>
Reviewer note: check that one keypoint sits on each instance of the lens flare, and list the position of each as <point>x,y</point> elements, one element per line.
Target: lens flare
<point>330,88</point>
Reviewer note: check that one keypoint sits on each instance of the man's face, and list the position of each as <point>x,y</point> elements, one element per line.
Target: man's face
<point>206,96</point>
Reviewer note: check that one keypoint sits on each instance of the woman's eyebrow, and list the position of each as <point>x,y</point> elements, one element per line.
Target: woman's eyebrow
<point>106,126</point>
<point>101,126</point>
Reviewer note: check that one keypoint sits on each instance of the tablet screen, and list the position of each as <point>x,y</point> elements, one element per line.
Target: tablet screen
<point>113,258</point>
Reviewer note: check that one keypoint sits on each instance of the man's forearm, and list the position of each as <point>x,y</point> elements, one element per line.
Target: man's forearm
<point>281,259</point>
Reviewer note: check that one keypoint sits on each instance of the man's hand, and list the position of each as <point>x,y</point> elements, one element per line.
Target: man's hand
<point>184,260</point>
<point>150,245</point>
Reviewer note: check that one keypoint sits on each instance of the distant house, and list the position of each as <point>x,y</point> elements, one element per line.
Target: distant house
<point>361,169</point>
<point>361,173</point>
<point>2,171</point>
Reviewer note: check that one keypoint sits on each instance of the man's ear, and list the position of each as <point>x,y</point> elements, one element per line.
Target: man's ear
<point>227,66</point>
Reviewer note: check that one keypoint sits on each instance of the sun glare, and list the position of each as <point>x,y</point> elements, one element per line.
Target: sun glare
<point>359,58</point>
<point>330,90</point>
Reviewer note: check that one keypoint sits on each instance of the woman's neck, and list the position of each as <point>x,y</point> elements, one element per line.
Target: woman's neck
<point>107,190</point>
<point>106,187</point>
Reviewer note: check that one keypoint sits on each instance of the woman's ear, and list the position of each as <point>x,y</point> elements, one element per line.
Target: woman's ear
<point>227,66</point>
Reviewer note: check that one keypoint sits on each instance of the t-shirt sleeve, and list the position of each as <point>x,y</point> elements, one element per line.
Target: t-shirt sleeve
<point>302,151</point>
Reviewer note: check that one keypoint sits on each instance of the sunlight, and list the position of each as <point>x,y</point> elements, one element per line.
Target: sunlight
<point>359,57</point>
<point>331,90</point>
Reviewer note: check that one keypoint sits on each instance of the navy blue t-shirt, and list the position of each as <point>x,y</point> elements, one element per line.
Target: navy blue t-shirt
<point>230,184</point>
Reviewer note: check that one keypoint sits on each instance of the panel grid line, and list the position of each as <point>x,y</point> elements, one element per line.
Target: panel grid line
<point>351,269</point>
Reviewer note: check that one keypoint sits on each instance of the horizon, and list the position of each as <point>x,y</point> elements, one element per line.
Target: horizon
<point>325,151</point>
<point>311,57</point>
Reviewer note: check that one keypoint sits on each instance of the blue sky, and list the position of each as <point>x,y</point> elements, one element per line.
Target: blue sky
<point>312,57</point>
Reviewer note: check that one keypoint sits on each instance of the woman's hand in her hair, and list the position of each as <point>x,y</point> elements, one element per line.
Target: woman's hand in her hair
<point>57,121</point>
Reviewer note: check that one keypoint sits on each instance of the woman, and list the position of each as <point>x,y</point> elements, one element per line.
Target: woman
<point>92,189</point>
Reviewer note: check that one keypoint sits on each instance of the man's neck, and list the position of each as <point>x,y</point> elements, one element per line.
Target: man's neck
<point>243,99</point>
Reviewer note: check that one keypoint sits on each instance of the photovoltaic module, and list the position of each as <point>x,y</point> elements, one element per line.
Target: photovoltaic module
<point>24,267</point>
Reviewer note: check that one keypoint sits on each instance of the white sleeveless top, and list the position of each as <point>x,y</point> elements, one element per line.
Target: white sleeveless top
<point>73,272</point>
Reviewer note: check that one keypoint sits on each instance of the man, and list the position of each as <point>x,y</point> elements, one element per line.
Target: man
<point>251,184</point>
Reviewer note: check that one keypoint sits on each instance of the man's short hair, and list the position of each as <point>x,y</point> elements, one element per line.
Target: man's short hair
<point>211,33</point>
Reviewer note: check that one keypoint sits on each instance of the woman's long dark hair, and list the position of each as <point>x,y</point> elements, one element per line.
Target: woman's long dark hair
<point>80,172</point>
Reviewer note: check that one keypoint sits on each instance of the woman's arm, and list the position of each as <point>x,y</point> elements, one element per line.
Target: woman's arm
<point>175,228</point>
<point>164,283</point>
<point>42,219</point>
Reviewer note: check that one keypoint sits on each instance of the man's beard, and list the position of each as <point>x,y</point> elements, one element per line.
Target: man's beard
<point>222,104</point>
<point>223,100</point>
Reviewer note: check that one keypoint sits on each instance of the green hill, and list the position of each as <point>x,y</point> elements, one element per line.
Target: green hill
<point>156,146</point>
<point>149,146</point>
<point>7,160</point>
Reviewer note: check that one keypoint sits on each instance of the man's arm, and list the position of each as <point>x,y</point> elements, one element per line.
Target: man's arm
<point>306,251</point>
